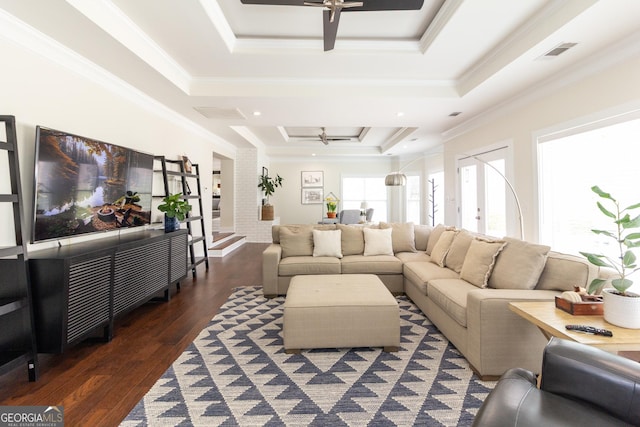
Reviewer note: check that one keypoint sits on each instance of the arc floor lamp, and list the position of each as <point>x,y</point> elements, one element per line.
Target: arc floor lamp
<point>397,179</point>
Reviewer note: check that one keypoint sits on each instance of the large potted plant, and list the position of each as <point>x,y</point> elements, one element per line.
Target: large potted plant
<point>621,307</point>
<point>268,186</point>
<point>175,210</point>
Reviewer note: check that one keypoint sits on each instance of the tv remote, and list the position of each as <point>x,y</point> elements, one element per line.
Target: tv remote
<point>590,330</point>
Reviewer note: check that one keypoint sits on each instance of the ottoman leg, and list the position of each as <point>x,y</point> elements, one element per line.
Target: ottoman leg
<point>293,351</point>
<point>390,349</point>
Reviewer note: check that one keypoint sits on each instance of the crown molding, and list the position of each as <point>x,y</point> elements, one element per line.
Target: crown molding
<point>25,36</point>
<point>626,49</point>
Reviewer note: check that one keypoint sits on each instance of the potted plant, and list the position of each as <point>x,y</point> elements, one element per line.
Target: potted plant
<point>332,205</point>
<point>621,307</point>
<point>268,186</point>
<point>175,210</point>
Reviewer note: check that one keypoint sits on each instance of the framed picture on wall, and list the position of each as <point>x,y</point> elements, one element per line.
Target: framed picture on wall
<point>312,196</point>
<point>312,179</point>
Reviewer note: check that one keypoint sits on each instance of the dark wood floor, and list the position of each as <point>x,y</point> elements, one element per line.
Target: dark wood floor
<point>99,383</point>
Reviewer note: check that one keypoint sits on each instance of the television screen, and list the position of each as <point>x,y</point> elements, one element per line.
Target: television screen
<point>86,186</point>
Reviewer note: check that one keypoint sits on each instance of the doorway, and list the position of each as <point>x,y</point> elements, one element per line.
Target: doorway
<point>484,203</point>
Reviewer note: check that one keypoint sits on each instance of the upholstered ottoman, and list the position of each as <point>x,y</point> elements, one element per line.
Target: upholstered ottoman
<point>340,310</point>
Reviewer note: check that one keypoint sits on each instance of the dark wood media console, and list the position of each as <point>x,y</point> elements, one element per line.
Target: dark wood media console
<point>80,288</point>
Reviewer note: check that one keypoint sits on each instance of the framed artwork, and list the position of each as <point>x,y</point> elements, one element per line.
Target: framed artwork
<point>312,179</point>
<point>312,196</point>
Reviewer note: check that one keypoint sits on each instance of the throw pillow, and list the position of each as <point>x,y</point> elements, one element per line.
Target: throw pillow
<point>327,243</point>
<point>458,250</point>
<point>352,239</point>
<point>422,233</point>
<point>296,240</point>
<point>402,236</point>
<point>434,236</point>
<point>439,252</point>
<point>519,266</point>
<point>377,241</point>
<point>480,261</point>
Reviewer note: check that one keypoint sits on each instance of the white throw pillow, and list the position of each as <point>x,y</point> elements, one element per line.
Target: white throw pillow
<point>327,243</point>
<point>377,241</point>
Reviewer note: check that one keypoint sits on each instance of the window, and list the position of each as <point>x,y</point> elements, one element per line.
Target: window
<point>371,189</point>
<point>569,165</point>
<point>413,199</point>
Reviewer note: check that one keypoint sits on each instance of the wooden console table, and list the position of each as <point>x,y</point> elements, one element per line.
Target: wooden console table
<point>552,321</point>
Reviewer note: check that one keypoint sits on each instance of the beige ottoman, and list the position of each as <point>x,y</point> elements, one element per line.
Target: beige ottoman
<point>340,310</point>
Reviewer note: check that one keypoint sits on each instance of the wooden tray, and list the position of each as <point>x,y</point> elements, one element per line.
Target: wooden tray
<point>584,308</point>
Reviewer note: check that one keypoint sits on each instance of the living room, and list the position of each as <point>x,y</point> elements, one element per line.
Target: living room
<point>56,79</point>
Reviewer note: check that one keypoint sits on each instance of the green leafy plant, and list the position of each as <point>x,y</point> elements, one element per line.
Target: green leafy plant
<point>268,185</point>
<point>332,204</point>
<point>174,206</point>
<point>627,238</point>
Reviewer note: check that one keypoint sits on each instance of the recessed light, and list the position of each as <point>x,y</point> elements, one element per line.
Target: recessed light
<point>313,154</point>
<point>257,113</point>
<point>400,114</point>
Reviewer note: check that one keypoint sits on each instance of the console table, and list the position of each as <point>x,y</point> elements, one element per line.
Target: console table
<point>552,321</point>
<point>80,288</point>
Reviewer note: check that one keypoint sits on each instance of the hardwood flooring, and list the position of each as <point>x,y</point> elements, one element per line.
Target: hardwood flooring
<point>99,383</point>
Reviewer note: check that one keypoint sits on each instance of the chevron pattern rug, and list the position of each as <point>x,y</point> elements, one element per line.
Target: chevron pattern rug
<point>236,374</point>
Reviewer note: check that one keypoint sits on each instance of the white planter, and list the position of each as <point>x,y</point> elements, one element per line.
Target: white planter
<point>622,311</point>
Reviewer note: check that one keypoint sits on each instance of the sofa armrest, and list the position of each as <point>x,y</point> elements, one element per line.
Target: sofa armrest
<point>498,338</point>
<point>270,261</point>
<point>588,374</point>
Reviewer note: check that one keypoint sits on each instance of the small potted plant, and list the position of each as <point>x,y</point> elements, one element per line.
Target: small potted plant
<point>332,205</point>
<point>621,307</point>
<point>268,186</point>
<point>175,210</point>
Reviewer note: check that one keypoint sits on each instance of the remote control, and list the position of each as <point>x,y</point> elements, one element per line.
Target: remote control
<point>590,330</point>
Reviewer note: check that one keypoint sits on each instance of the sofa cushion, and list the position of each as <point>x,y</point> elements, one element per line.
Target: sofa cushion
<point>372,264</point>
<point>352,239</point>
<point>327,243</point>
<point>413,256</point>
<point>441,248</point>
<point>451,296</point>
<point>293,266</point>
<point>519,265</point>
<point>421,235</point>
<point>275,229</point>
<point>562,272</point>
<point>434,236</point>
<point>419,273</point>
<point>296,240</point>
<point>402,236</point>
<point>458,250</point>
<point>377,241</point>
<point>480,261</point>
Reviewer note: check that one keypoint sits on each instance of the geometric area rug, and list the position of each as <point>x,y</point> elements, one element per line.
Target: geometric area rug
<point>236,373</point>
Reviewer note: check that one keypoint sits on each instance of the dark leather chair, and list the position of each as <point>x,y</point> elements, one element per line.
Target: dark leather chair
<point>581,386</point>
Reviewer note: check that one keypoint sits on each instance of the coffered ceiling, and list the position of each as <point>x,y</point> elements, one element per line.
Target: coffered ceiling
<point>258,75</point>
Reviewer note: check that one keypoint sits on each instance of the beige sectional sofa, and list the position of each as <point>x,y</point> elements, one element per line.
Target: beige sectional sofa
<point>461,281</point>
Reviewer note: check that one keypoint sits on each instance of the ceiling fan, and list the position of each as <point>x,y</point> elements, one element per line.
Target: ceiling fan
<point>324,138</point>
<point>331,15</point>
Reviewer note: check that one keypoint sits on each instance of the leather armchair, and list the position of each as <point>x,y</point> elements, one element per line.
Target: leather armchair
<point>581,386</point>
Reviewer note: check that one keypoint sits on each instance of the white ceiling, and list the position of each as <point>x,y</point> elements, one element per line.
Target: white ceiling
<point>391,82</point>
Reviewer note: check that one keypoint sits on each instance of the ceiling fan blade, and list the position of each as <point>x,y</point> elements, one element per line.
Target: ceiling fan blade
<point>278,2</point>
<point>387,5</point>
<point>330,28</point>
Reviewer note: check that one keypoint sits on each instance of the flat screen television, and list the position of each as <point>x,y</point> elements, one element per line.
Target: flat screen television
<point>87,186</point>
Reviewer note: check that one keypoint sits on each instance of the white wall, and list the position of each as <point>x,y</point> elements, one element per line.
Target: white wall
<point>288,199</point>
<point>613,89</point>
<point>39,91</point>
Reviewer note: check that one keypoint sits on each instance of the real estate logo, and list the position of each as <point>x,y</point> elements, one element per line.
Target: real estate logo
<point>31,416</point>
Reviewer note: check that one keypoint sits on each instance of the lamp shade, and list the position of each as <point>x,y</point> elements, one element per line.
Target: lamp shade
<point>364,205</point>
<point>395,179</point>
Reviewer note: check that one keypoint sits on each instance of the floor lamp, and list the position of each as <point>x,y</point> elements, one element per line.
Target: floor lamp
<point>396,179</point>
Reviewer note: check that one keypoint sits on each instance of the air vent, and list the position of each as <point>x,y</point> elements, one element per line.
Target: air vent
<point>220,113</point>
<point>559,50</point>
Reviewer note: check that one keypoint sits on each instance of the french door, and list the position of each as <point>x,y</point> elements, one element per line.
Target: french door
<point>484,204</point>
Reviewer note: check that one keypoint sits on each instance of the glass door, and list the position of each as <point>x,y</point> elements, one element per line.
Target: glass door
<point>483,193</point>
